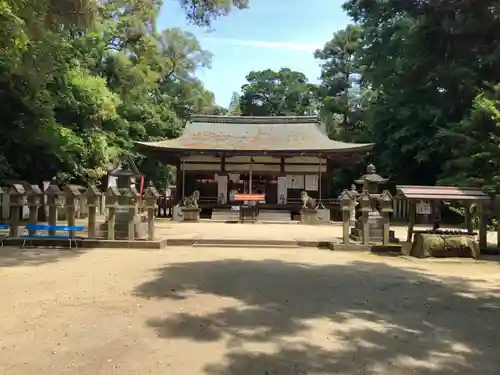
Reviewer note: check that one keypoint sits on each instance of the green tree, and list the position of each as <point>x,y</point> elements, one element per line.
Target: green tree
<point>281,93</point>
<point>80,81</point>
<point>426,62</point>
<point>340,90</point>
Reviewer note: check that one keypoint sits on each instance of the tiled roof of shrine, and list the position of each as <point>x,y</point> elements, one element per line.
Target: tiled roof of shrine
<point>255,134</point>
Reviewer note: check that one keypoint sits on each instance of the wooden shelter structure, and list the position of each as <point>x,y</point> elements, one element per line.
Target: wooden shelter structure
<point>434,195</point>
<point>280,157</point>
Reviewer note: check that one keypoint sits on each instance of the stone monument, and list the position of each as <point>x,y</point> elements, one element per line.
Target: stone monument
<point>370,186</point>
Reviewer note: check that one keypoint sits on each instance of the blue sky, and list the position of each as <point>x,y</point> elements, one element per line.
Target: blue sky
<point>270,34</point>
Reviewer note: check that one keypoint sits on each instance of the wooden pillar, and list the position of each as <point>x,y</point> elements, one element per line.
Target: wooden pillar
<point>468,217</point>
<point>496,207</point>
<point>412,218</point>
<point>178,183</point>
<point>483,217</point>
<point>223,163</point>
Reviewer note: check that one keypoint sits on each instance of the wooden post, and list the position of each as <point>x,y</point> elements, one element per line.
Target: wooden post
<point>132,197</point>
<point>2,198</point>
<point>468,217</point>
<point>496,208</point>
<point>412,217</point>
<point>365,208</point>
<point>150,198</point>
<point>482,226</point>
<point>345,204</point>
<point>71,194</point>
<point>17,194</point>
<point>112,195</point>
<point>92,194</point>
<point>53,193</point>
<point>385,200</point>
<point>34,197</point>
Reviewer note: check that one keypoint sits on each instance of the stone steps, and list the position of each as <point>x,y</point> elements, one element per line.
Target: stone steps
<point>267,216</point>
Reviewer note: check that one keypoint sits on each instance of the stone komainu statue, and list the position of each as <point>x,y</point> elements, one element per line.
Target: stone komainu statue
<point>307,201</point>
<point>192,200</point>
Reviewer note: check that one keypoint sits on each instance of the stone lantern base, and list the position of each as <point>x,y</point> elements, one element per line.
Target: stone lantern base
<point>375,231</point>
<point>121,227</point>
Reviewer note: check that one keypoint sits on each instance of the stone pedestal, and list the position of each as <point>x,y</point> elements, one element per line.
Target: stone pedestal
<point>309,216</point>
<point>177,213</point>
<point>375,228</point>
<point>191,214</point>
<point>121,226</point>
<point>323,216</point>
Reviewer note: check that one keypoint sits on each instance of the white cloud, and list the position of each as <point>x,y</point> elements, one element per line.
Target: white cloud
<point>289,46</point>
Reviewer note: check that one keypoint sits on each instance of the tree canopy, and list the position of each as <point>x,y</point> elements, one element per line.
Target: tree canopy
<point>81,80</point>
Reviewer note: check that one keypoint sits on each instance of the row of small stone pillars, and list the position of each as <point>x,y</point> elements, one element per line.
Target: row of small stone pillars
<point>122,204</point>
<point>365,200</point>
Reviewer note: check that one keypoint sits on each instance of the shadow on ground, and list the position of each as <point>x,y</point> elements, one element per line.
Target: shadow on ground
<point>387,320</point>
<point>14,256</point>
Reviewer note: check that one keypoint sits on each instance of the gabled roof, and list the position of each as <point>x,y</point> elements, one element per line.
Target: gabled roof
<point>445,193</point>
<point>259,134</point>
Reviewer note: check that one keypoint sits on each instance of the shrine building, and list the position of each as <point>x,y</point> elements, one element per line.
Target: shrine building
<point>278,157</point>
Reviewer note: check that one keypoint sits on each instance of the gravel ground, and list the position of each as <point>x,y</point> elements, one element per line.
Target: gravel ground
<point>184,311</point>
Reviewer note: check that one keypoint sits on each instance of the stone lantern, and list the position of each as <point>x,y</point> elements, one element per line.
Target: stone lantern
<point>370,185</point>
<point>125,179</point>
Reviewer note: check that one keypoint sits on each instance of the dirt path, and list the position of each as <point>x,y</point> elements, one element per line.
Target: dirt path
<point>246,312</point>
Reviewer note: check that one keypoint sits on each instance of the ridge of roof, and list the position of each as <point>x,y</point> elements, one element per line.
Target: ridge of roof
<point>254,119</point>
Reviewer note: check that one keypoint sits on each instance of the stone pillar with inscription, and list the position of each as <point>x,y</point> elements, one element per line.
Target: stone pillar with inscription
<point>17,197</point>
<point>150,197</point>
<point>345,206</point>
<point>92,199</point>
<point>71,194</point>
<point>112,196</point>
<point>53,202</point>
<point>385,200</point>
<point>365,208</point>
<point>132,203</point>
<point>34,195</point>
